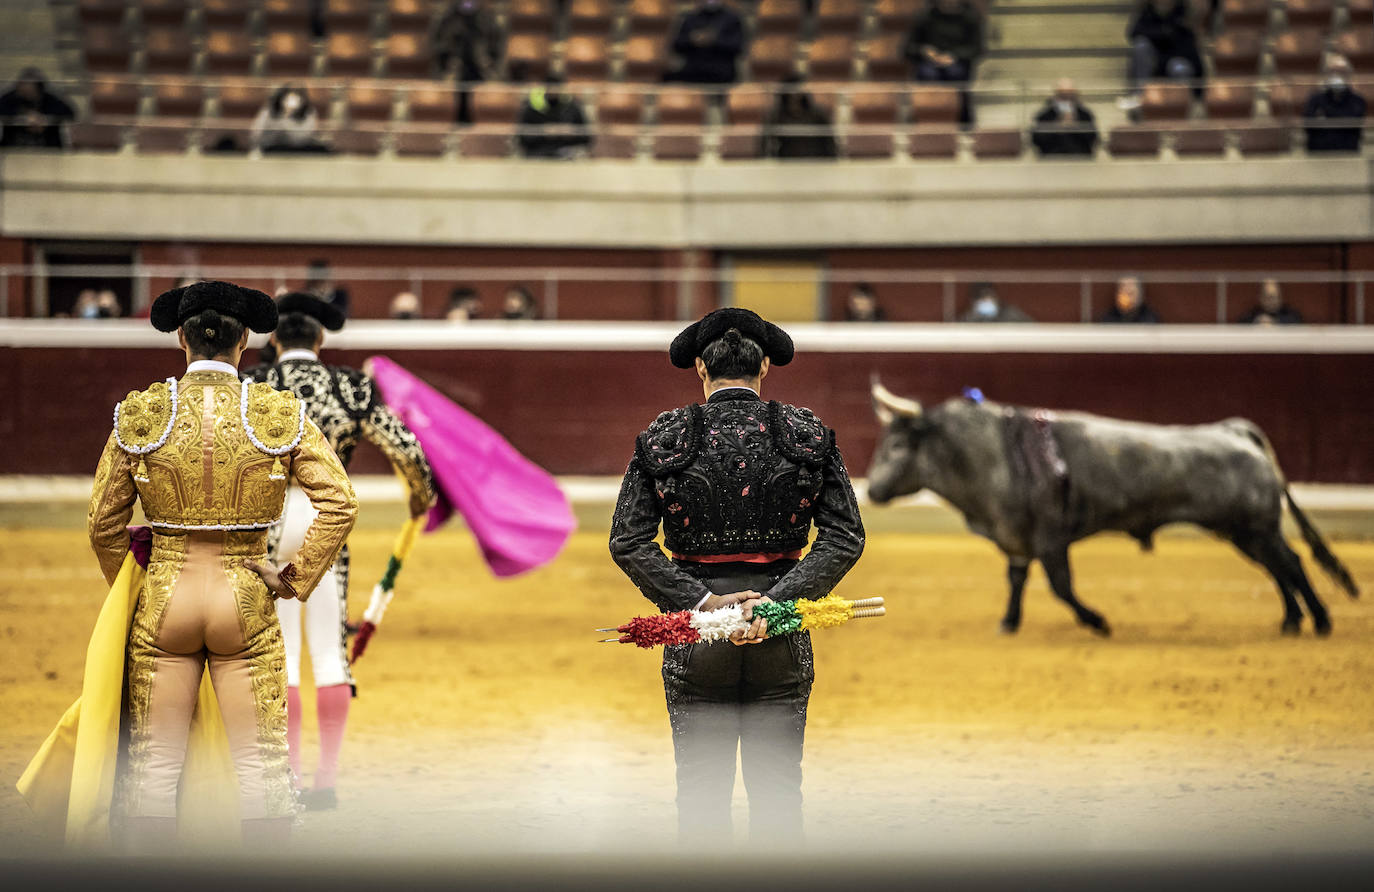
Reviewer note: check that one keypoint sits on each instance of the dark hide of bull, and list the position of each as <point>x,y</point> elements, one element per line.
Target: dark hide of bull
<point>1035,482</point>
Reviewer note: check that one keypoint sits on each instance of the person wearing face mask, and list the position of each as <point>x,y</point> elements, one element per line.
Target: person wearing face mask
<point>1271,309</point>
<point>709,41</point>
<point>1065,126</point>
<point>987,306</point>
<point>1336,101</point>
<point>404,305</point>
<point>287,123</point>
<point>1128,306</point>
<point>468,46</point>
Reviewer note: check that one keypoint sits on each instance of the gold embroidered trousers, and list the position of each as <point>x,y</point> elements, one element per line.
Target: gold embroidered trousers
<point>199,607</point>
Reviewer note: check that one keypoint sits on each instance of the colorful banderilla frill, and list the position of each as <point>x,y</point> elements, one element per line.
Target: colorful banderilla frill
<point>784,618</point>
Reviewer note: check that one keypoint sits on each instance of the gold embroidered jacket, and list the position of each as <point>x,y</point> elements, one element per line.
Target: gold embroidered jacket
<point>209,452</point>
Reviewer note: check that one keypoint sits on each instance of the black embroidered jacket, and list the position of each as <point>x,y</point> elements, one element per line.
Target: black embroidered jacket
<point>345,405</point>
<point>735,476</point>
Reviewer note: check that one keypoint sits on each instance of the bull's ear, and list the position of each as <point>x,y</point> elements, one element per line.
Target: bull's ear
<point>888,406</point>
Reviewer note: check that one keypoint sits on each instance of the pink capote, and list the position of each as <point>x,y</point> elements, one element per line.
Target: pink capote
<point>520,517</point>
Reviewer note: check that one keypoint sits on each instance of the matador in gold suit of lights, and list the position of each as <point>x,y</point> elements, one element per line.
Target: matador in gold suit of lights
<point>210,458</point>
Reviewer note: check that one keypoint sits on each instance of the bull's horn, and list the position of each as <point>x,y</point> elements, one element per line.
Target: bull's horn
<point>888,405</point>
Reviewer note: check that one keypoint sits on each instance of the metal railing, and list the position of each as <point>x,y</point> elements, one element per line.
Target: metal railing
<point>951,288</point>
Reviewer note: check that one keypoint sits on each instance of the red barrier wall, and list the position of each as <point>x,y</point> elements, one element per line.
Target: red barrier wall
<point>577,412</point>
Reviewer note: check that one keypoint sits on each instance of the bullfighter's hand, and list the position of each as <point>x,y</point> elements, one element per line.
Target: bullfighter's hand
<point>271,577</point>
<point>715,602</point>
<point>758,628</point>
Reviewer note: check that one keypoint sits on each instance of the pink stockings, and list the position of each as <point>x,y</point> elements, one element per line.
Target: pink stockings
<point>331,704</point>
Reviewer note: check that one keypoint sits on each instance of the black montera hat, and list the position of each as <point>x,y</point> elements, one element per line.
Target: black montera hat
<point>689,343</point>
<point>253,308</point>
<point>328,315</point>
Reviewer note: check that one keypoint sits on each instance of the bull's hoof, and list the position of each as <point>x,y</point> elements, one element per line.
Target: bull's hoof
<point>1291,628</point>
<point>1322,627</point>
<point>1008,627</point>
<point>1096,624</point>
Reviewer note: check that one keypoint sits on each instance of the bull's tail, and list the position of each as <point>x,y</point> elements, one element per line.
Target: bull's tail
<point>1330,564</point>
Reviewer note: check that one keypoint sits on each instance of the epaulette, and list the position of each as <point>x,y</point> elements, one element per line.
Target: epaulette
<point>273,419</point>
<point>799,434</point>
<point>671,443</point>
<point>143,421</point>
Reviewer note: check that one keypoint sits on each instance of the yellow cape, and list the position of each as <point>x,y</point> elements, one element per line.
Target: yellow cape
<point>70,782</point>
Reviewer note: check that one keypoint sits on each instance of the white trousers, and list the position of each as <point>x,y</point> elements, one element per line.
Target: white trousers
<point>321,618</point>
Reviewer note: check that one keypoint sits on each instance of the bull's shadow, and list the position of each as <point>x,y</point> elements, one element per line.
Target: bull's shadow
<point>1034,482</point>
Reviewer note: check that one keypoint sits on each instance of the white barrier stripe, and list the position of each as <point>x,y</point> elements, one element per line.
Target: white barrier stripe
<point>653,337</point>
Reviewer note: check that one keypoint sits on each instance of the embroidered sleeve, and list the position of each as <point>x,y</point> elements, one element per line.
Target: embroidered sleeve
<point>112,506</point>
<point>389,434</point>
<point>321,476</point>
<point>839,538</point>
<point>634,529</point>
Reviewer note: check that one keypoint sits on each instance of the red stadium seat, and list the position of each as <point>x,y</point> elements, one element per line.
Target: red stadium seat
<point>679,113</point>
<point>347,15</point>
<point>651,17</point>
<point>839,16</point>
<point>166,51</point>
<point>530,52</point>
<point>89,137</point>
<point>530,16</point>
<point>896,16</point>
<point>356,140</point>
<point>422,143</point>
<point>1357,45</point>
<point>873,119</point>
<point>1245,13</point>
<point>106,49</point>
<point>163,12</point>
<point>115,98</point>
<point>746,110</point>
<point>1165,101</point>
<point>644,58</point>
<point>494,104</point>
<point>778,17</point>
<point>162,140</point>
<point>1361,13</point>
<point>1299,52</point>
<point>1237,52</point>
<point>885,59</point>
<point>1260,140</point>
<point>831,57</point>
<point>928,143</point>
<point>102,12</point>
<point>179,99</point>
<point>349,54</point>
<point>288,52</point>
<point>587,57</point>
<point>239,100</point>
<point>409,16</point>
<point>997,143</point>
<point>287,15</point>
<point>408,55</point>
<point>1134,141</point>
<point>432,105</point>
<point>370,102</point>
<point>1230,99</point>
<point>1199,139</point>
<point>226,13</point>
<point>935,105</point>
<point>772,57</point>
<point>1315,14</point>
<point>486,142</point>
<point>619,112</point>
<point>591,16</point>
<point>228,52</point>
<point>1286,98</point>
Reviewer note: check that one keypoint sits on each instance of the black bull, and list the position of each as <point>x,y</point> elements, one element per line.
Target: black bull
<point>1035,482</point>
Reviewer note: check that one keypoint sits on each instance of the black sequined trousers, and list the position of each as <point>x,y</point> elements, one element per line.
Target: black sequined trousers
<point>751,699</point>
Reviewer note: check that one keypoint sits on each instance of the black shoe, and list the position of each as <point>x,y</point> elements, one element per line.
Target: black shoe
<point>320,800</point>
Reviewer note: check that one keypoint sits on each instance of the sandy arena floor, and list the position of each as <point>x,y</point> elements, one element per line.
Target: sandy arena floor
<point>488,720</point>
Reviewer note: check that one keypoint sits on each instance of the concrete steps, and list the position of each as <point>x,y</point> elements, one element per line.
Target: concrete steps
<point>27,37</point>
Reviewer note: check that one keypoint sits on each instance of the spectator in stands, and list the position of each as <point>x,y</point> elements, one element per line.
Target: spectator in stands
<point>552,124</point>
<point>1335,101</point>
<point>987,306</point>
<point>319,281</point>
<point>518,304</point>
<point>945,41</point>
<point>862,305</point>
<point>288,123</point>
<point>1129,305</point>
<point>464,304</point>
<point>108,305</point>
<point>30,116</point>
<point>796,127</point>
<point>709,41</point>
<point>467,44</point>
<point>404,305</point>
<point>1271,310</point>
<point>87,306</point>
<point>1163,44</point>
<point>1065,126</point>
